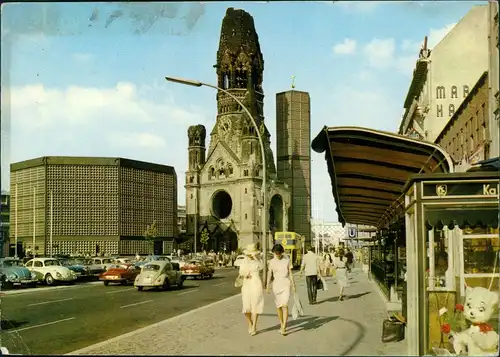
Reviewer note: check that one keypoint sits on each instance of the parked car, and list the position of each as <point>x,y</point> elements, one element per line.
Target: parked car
<point>50,270</point>
<point>197,269</point>
<point>123,274</point>
<point>178,260</point>
<point>94,269</point>
<point>159,274</point>
<point>13,273</point>
<point>76,265</point>
<point>237,262</point>
<point>152,258</point>
<point>104,262</point>
<point>125,262</point>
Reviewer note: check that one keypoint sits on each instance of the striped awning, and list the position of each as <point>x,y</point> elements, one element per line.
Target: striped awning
<point>369,168</point>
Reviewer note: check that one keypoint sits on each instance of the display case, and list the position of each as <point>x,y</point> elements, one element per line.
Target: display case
<point>452,228</point>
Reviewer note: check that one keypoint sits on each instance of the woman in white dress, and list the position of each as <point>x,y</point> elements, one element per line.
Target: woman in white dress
<point>280,270</point>
<point>252,293</point>
<point>341,272</point>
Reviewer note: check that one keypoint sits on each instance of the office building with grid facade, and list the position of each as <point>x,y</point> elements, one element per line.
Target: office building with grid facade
<point>92,205</point>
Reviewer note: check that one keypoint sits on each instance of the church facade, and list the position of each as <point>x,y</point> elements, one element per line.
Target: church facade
<point>224,198</point>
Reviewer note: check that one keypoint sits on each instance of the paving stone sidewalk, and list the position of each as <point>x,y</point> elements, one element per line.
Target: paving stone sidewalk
<point>332,327</point>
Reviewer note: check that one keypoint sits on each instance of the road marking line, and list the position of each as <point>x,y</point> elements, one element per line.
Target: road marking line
<point>41,325</point>
<point>219,284</point>
<point>137,303</point>
<point>86,350</point>
<point>42,289</point>
<point>119,291</point>
<point>188,292</point>
<point>49,302</point>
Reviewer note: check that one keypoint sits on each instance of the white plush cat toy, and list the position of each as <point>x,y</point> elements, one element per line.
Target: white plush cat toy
<point>480,339</point>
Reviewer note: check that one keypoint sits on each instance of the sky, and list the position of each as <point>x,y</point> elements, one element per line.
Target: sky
<point>87,79</point>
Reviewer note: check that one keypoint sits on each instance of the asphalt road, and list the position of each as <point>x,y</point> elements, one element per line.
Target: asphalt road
<point>58,321</point>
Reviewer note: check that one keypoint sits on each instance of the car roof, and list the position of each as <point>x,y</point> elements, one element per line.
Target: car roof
<point>44,259</point>
<point>157,262</point>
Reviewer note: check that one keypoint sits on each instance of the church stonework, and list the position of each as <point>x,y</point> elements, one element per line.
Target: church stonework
<point>223,185</point>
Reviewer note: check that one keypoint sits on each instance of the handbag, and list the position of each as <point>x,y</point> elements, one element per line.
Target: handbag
<point>319,284</point>
<point>297,309</point>
<point>238,282</point>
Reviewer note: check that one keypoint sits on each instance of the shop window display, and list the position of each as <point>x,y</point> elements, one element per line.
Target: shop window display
<point>474,264</point>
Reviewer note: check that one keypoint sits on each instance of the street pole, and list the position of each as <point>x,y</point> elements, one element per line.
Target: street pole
<point>195,219</point>
<point>15,223</point>
<point>51,222</point>
<point>34,220</point>
<point>262,151</point>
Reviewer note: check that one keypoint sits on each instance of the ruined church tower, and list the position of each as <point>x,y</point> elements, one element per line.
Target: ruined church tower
<point>227,185</point>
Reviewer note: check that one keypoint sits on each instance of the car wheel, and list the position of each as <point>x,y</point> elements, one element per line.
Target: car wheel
<point>32,285</point>
<point>124,282</point>
<point>180,283</point>
<point>140,288</point>
<point>49,280</point>
<point>106,283</point>
<point>166,285</point>
<point>210,276</point>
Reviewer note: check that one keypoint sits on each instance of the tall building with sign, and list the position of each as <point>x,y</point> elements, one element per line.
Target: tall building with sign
<point>293,151</point>
<point>445,74</point>
<point>224,181</point>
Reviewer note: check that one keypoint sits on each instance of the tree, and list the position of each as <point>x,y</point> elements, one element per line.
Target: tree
<point>150,235</point>
<point>205,237</point>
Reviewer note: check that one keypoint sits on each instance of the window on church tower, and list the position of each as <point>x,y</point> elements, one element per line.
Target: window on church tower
<point>246,216</point>
<point>245,191</point>
<point>245,172</point>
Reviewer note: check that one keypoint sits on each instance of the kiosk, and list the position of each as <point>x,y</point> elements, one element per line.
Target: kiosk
<point>452,241</point>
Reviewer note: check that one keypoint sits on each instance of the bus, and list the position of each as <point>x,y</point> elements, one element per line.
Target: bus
<point>293,244</point>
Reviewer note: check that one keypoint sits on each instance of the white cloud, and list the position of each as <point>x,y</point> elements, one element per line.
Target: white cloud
<point>436,35</point>
<point>357,6</point>
<point>122,121</point>
<point>347,47</point>
<point>83,57</point>
<point>380,52</point>
<point>137,140</point>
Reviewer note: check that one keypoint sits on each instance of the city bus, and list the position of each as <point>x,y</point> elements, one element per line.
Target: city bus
<point>293,244</point>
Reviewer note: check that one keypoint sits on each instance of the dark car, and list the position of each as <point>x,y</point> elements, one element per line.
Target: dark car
<point>76,265</point>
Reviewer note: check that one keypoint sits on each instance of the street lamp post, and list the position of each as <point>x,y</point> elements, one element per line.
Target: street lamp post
<point>263,154</point>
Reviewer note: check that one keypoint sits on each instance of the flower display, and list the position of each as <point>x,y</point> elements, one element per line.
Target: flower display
<point>454,321</point>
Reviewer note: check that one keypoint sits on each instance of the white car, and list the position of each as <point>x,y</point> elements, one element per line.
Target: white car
<point>50,270</point>
<point>103,262</point>
<point>159,274</point>
<point>239,259</point>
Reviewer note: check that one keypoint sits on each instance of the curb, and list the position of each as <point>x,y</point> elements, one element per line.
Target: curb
<point>88,349</point>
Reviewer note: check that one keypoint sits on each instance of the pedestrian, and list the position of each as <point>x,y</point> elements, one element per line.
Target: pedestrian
<point>252,293</point>
<point>327,265</point>
<point>280,270</point>
<point>341,272</point>
<point>349,260</point>
<point>310,265</point>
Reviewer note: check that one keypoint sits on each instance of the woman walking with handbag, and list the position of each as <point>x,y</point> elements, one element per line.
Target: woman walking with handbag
<point>252,293</point>
<point>280,269</point>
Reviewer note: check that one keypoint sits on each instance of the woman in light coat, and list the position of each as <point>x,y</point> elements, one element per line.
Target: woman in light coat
<point>280,269</point>
<point>341,272</point>
<point>252,293</point>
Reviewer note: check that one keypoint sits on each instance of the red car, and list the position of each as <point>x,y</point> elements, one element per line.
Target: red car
<point>123,274</point>
<point>197,269</point>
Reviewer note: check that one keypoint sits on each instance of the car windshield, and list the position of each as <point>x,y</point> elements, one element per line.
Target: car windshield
<point>78,261</point>
<point>151,267</point>
<point>194,262</point>
<point>11,263</point>
<point>164,259</point>
<point>52,262</point>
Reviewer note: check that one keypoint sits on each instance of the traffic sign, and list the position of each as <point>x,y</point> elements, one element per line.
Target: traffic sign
<point>352,232</point>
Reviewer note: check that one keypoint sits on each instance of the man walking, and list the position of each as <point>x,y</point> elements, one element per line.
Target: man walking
<point>310,265</point>
<point>350,260</point>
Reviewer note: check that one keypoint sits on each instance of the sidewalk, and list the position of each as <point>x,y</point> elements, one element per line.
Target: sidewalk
<point>332,327</point>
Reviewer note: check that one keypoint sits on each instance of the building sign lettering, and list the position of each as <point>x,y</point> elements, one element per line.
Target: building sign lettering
<point>451,110</point>
<point>461,189</point>
<point>454,93</point>
<point>441,91</point>
<point>439,110</point>
<point>489,191</point>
